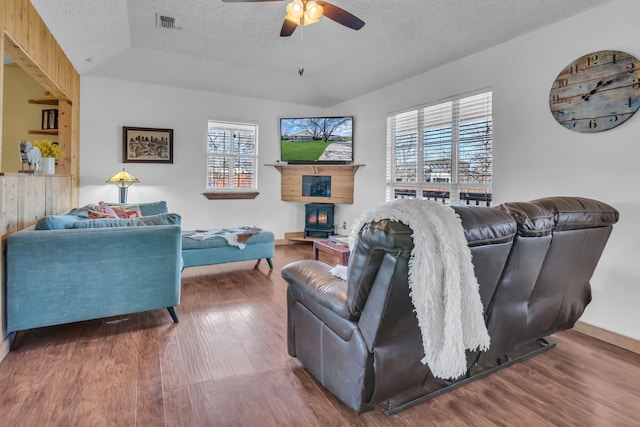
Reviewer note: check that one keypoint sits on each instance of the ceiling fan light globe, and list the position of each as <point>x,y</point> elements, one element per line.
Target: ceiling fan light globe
<point>295,9</point>
<point>292,19</point>
<point>313,11</point>
<point>307,20</point>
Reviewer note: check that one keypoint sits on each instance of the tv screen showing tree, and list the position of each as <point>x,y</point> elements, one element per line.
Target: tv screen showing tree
<point>316,139</point>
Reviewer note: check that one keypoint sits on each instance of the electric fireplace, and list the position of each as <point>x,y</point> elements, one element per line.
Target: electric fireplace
<point>318,219</point>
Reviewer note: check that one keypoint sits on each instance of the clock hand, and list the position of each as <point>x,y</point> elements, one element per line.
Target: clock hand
<point>599,86</point>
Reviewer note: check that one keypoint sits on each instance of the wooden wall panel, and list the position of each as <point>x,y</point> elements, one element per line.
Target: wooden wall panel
<point>36,50</point>
<point>21,21</point>
<point>31,200</point>
<point>342,177</point>
<point>57,194</point>
<point>8,225</point>
<point>9,210</point>
<point>64,137</point>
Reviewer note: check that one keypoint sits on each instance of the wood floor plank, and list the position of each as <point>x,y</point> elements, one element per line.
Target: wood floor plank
<point>154,326</point>
<point>172,363</point>
<point>226,364</point>
<point>236,401</point>
<point>178,408</point>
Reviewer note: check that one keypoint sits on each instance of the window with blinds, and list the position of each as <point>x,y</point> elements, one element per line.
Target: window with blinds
<point>232,156</point>
<point>442,151</point>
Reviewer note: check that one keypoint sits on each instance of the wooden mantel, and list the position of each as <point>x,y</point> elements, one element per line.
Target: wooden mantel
<point>342,178</point>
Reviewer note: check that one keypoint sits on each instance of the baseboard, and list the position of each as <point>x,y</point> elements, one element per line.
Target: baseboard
<point>608,336</point>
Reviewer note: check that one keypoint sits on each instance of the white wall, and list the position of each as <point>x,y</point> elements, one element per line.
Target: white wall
<point>533,155</point>
<point>108,104</point>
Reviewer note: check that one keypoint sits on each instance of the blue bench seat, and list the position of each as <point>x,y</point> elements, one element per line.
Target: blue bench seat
<point>216,250</point>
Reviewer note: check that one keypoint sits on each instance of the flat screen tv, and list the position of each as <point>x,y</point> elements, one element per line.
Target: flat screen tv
<point>316,139</point>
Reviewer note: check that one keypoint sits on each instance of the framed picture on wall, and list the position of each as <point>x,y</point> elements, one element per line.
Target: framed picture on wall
<point>147,145</point>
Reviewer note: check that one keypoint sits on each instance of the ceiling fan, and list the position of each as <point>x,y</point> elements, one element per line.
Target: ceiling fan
<point>305,12</point>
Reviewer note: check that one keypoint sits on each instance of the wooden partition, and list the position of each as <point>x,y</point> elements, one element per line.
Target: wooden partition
<point>28,41</point>
<point>25,198</point>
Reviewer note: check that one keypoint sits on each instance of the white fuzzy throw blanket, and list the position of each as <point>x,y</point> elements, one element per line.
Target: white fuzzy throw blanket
<point>443,286</point>
<point>237,236</point>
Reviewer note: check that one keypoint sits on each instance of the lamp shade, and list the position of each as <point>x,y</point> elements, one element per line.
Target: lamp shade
<point>122,179</point>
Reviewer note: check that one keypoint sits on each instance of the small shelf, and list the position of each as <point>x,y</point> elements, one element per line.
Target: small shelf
<point>231,195</point>
<point>43,132</point>
<point>315,166</point>
<point>44,101</point>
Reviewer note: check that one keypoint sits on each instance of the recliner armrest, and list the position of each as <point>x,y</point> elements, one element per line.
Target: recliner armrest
<point>312,281</point>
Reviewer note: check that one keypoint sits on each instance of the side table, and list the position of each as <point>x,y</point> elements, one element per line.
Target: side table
<point>326,245</point>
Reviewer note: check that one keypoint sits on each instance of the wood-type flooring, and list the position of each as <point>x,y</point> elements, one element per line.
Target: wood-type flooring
<point>226,364</point>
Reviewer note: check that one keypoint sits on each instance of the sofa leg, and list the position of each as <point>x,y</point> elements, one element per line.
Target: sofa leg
<point>268,262</point>
<point>13,342</point>
<point>174,316</point>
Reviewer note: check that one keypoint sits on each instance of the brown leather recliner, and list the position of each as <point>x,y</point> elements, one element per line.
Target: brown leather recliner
<point>360,337</point>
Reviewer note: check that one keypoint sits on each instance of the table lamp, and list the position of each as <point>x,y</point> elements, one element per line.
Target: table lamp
<point>123,180</point>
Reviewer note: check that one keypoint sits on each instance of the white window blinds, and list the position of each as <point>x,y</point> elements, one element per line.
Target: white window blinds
<point>442,151</point>
<point>232,155</point>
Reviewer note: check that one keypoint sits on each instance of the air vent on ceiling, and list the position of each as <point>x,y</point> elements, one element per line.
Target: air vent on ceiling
<point>166,22</point>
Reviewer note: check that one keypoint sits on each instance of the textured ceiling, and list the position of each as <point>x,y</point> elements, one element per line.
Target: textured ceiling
<point>235,48</point>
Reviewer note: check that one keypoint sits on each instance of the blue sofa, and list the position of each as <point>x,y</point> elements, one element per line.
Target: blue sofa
<point>68,268</point>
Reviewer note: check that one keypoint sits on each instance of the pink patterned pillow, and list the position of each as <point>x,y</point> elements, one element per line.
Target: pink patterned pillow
<point>127,211</point>
<point>96,214</point>
<point>107,210</point>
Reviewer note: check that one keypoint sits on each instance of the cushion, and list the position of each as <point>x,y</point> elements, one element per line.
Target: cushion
<point>98,214</point>
<point>161,219</point>
<point>127,211</point>
<point>264,236</point>
<point>83,211</point>
<point>153,208</point>
<point>107,210</point>
<point>148,208</point>
<point>56,222</point>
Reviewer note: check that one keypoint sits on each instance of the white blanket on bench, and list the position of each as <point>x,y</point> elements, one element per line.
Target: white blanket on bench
<point>443,286</point>
<point>236,236</point>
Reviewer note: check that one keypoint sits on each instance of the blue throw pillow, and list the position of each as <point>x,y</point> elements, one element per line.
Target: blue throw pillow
<point>161,219</point>
<point>56,222</point>
<point>153,208</point>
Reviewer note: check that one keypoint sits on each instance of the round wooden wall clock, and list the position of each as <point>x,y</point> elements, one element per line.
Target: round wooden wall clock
<point>596,92</point>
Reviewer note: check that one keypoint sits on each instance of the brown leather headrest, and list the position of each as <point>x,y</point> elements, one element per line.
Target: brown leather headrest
<point>533,220</point>
<point>485,226</point>
<point>572,213</point>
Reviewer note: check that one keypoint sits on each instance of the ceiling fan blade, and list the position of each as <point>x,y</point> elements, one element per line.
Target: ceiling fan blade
<point>341,16</point>
<point>288,28</point>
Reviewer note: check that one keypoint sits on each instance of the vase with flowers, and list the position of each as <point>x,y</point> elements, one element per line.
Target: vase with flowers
<point>50,153</point>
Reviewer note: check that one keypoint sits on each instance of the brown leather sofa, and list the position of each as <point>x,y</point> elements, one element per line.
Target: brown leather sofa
<point>360,337</point>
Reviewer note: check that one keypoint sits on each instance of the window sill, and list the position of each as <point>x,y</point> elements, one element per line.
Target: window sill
<point>231,195</point>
